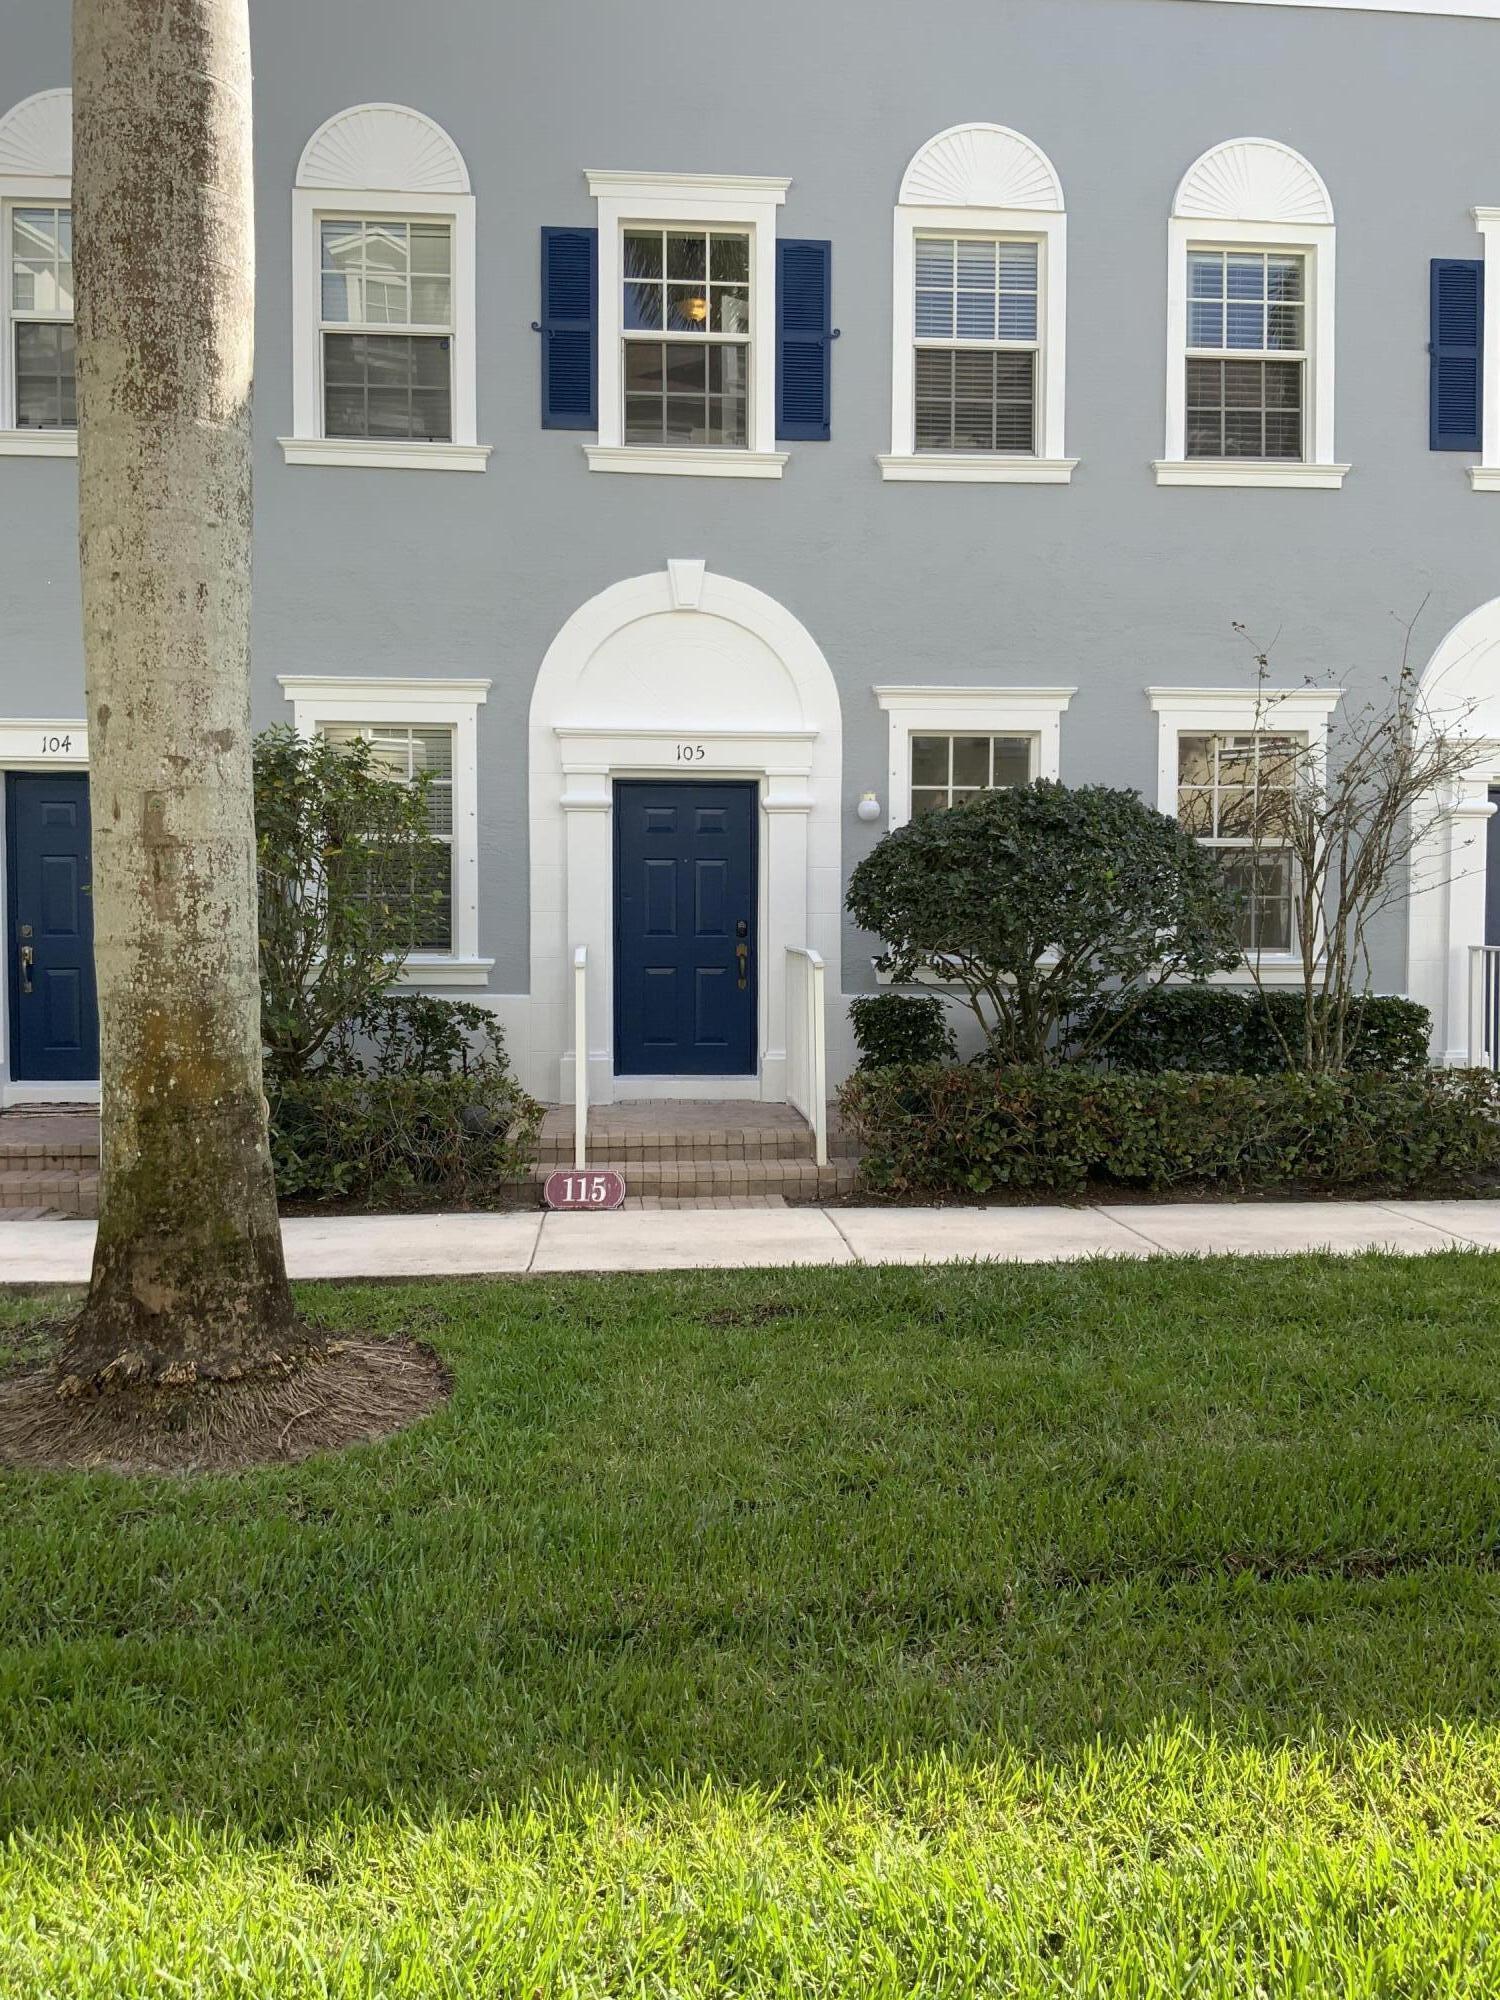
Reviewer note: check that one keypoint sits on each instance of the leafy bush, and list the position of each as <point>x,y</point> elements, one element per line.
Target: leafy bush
<point>416,1098</point>
<point>350,881</point>
<point>933,1132</point>
<point>901,1028</point>
<point>1225,1030</point>
<point>1040,899</point>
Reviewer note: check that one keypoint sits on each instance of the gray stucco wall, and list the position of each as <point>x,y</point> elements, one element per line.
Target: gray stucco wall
<point>1111,583</point>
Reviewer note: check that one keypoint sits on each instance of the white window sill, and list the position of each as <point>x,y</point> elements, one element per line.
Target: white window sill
<point>386,454</point>
<point>1485,478</point>
<point>685,461</point>
<point>420,970</point>
<point>1277,971</point>
<point>976,468</point>
<point>1246,472</point>
<point>38,444</point>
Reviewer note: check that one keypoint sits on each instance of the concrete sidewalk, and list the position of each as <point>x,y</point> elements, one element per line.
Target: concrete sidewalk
<point>419,1246</point>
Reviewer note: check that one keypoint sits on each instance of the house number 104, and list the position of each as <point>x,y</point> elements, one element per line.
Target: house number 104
<point>691,753</point>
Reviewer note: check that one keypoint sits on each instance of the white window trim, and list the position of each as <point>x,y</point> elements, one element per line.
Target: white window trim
<point>709,201</point>
<point>36,166</point>
<point>1485,476</point>
<point>1232,711</point>
<point>1035,712</point>
<point>381,135</point>
<point>323,698</point>
<point>1196,222</point>
<point>936,165</point>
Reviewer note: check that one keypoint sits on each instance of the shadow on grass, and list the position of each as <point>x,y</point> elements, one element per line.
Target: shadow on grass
<point>772,1528</point>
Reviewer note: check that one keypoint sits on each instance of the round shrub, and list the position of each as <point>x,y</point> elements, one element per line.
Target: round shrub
<point>1040,899</point>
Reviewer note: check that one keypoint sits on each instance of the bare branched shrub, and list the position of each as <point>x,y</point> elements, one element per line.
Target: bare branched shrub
<point>1348,826</point>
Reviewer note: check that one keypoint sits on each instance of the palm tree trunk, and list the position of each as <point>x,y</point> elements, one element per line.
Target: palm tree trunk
<point>189,1280</point>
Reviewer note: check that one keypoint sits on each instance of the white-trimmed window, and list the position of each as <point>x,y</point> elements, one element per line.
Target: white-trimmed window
<point>384,338</point>
<point>1250,323</point>
<point>1225,755</point>
<point>429,727</point>
<point>38,404</point>
<point>408,753</point>
<point>687,322</point>
<point>979,315</point>
<point>949,744</point>
<point>1228,787</point>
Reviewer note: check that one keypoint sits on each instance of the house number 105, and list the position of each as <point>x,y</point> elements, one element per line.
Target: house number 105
<point>691,753</point>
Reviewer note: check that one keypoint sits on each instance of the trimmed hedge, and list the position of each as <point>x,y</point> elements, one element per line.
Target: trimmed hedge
<point>934,1131</point>
<point>1231,1031</point>
<point>901,1028</point>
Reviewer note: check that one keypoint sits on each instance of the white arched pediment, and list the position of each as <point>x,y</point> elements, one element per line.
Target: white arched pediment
<point>640,656</point>
<point>1253,180</point>
<point>981,166</point>
<point>36,138</point>
<point>386,147</point>
<point>1461,684</point>
<point>680,674</point>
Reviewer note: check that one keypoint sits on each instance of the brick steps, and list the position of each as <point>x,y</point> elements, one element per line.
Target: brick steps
<point>676,1153</point>
<point>51,1189</point>
<point>49,1163</point>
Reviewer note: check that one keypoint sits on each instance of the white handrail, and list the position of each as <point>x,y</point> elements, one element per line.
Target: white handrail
<point>1484,1006</point>
<point>580,1057</point>
<point>807,1042</point>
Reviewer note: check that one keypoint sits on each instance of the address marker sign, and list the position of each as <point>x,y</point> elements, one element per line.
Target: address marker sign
<point>593,1188</point>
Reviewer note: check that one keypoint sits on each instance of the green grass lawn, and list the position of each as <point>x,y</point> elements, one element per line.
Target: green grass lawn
<point>1112,1630</point>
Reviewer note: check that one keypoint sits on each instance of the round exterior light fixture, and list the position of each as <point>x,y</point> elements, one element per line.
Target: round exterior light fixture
<point>868,808</point>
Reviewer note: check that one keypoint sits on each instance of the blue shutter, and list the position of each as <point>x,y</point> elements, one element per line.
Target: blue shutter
<point>804,339</point>
<point>1457,351</point>
<point>569,327</point>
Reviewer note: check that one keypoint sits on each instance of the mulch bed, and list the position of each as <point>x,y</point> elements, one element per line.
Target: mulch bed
<point>354,1390</point>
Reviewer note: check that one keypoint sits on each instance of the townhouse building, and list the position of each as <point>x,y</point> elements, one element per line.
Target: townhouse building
<point>702,438</point>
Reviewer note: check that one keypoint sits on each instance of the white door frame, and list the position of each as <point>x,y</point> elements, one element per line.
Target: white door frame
<point>39,743</point>
<point>677,675</point>
<point>1449,864</point>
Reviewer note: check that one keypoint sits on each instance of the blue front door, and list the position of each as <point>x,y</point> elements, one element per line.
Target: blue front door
<point>685,944</point>
<point>54,1015</point>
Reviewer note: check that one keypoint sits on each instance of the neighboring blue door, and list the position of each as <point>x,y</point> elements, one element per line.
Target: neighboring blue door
<point>54,1014</point>
<point>685,945</point>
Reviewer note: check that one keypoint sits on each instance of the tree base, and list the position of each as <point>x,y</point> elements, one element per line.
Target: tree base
<point>339,1392</point>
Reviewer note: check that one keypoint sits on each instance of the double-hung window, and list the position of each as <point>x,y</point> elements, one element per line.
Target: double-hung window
<point>384,329</point>
<point>976,348</point>
<point>687,337</point>
<point>41,316</point>
<point>405,752</point>
<point>1234,795</point>
<point>687,325</point>
<point>387,329</point>
<point>979,313</point>
<point>38,392</point>
<point>1251,297</point>
<point>1246,354</point>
